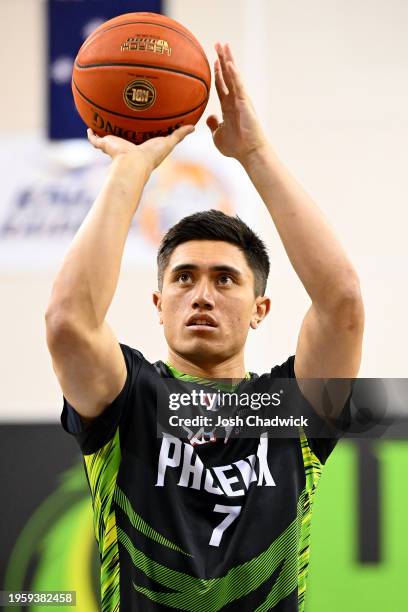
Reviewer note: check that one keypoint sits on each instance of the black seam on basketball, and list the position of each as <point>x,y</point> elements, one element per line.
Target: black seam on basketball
<point>188,74</point>
<point>193,42</point>
<point>137,118</point>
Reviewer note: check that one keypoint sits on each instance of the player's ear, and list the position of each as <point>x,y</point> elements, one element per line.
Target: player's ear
<point>261,308</point>
<point>157,302</point>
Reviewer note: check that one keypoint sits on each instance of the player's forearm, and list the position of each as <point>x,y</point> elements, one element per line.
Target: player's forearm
<point>312,247</point>
<point>86,283</point>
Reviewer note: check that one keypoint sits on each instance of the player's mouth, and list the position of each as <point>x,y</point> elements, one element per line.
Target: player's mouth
<point>201,322</point>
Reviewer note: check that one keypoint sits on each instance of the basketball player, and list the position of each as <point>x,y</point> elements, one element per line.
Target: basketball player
<point>200,523</point>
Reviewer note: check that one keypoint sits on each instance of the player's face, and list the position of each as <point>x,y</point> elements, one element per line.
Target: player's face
<point>207,303</point>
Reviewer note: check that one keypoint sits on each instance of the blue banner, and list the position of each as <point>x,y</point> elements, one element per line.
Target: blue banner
<point>69,23</point>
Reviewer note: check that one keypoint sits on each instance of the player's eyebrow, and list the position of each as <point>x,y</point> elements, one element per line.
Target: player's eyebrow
<point>217,268</point>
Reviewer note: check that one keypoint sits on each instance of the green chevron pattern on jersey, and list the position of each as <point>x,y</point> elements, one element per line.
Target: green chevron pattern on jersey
<point>102,469</point>
<point>141,525</point>
<point>313,471</point>
<point>210,595</point>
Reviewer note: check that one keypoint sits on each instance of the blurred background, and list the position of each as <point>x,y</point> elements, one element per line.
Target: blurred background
<point>328,79</point>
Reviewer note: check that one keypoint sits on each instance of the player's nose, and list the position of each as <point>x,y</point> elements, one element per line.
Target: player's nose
<point>203,296</point>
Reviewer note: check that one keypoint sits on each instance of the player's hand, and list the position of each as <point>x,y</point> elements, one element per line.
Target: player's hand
<point>239,134</point>
<point>151,153</point>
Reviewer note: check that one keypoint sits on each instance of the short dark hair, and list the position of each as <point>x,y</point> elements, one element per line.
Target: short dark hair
<point>216,225</point>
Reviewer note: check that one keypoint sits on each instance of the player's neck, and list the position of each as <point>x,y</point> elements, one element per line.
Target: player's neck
<point>232,367</point>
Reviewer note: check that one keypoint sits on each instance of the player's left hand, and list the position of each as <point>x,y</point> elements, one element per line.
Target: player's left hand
<point>239,134</point>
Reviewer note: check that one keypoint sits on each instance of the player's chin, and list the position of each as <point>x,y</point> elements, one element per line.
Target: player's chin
<point>201,353</point>
<point>203,341</point>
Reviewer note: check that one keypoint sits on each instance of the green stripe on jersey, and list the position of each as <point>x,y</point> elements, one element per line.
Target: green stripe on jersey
<point>102,469</point>
<point>210,595</point>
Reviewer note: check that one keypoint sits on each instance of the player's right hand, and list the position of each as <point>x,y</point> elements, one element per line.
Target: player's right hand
<point>151,153</point>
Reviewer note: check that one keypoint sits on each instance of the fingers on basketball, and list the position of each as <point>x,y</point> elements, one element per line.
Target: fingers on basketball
<point>181,132</point>
<point>97,141</point>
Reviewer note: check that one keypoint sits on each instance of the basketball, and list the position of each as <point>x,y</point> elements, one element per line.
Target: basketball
<point>140,75</point>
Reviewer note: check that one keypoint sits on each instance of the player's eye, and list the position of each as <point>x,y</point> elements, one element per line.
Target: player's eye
<point>225,280</point>
<point>184,277</point>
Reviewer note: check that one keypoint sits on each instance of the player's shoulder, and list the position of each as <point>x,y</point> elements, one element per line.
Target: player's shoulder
<point>135,360</point>
<point>131,352</point>
<point>286,369</point>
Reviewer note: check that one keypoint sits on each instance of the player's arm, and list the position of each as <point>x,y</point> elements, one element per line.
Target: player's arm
<point>330,339</point>
<point>86,356</point>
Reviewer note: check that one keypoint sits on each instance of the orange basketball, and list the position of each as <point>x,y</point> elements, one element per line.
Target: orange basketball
<point>140,75</point>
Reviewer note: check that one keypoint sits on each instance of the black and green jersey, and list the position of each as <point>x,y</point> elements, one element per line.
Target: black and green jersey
<point>204,527</point>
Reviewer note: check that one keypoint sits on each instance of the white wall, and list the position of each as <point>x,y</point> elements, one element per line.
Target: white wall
<point>329,80</point>
<point>22,36</point>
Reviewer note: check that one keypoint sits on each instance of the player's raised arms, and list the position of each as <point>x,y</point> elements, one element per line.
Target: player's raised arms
<point>86,356</point>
